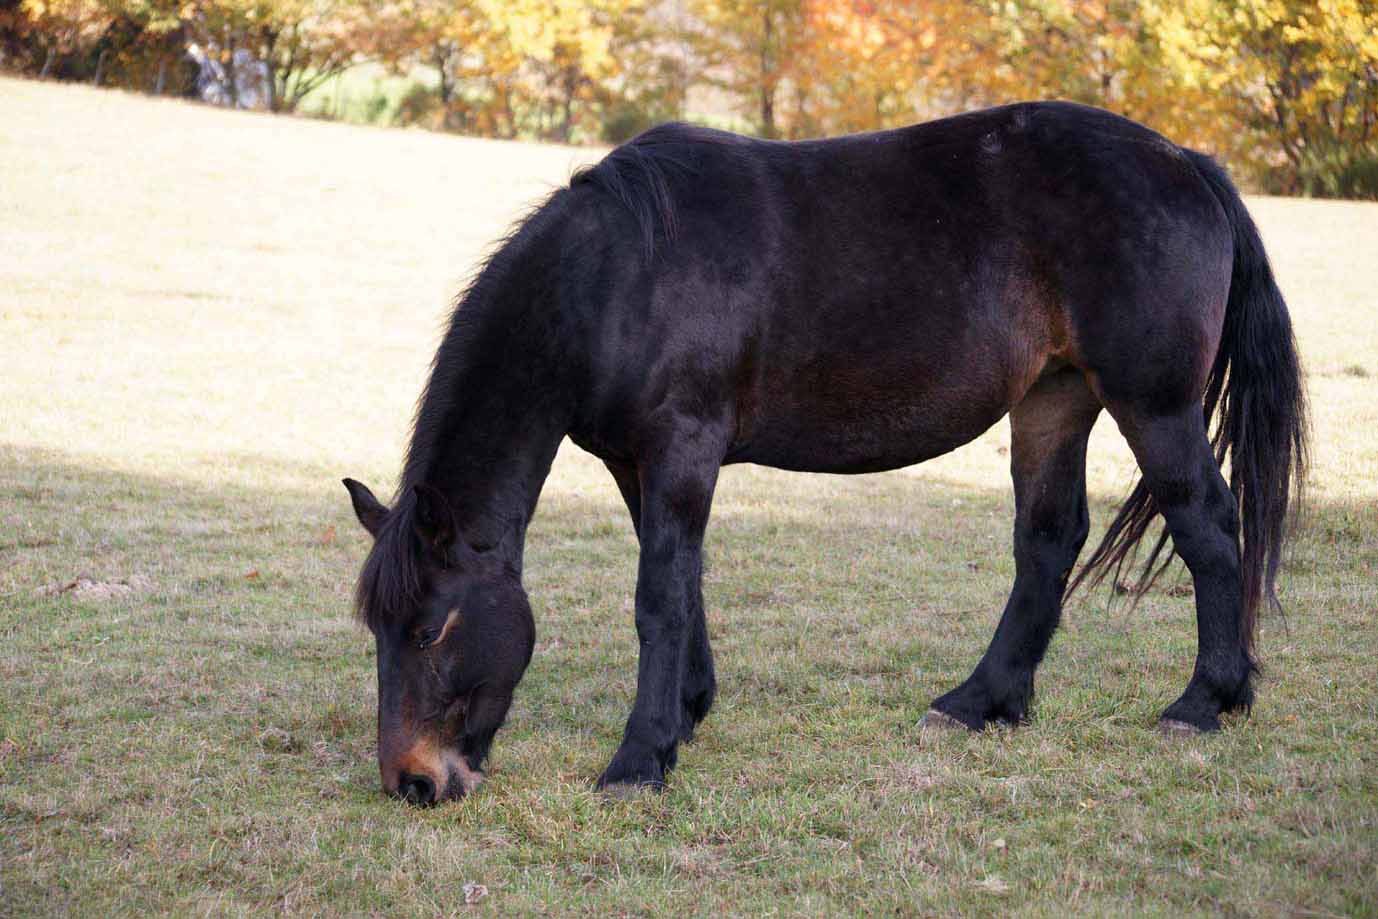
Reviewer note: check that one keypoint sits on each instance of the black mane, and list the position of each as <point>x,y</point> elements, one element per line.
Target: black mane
<point>643,174</point>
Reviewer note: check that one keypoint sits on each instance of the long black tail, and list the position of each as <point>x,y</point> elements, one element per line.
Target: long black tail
<point>1255,409</point>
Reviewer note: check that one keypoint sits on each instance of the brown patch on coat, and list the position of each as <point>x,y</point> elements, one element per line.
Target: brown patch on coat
<point>450,622</point>
<point>429,758</point>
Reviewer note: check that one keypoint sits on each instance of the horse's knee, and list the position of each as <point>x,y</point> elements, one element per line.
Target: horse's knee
<point>1049,540</point>
<point>1205,529</point>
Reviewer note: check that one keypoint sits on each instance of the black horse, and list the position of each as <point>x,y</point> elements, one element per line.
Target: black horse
<point>849,305</point>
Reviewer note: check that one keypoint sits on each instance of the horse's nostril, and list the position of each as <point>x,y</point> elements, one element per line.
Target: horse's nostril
<point>416,789</point>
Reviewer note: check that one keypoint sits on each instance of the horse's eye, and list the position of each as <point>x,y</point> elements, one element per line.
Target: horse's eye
<point>426,637</point>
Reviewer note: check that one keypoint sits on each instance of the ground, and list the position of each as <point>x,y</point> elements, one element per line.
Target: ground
<point>207,318</point>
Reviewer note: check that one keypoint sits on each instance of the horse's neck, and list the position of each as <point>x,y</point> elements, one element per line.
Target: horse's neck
<point>492,440</point>
<point>499,399</point>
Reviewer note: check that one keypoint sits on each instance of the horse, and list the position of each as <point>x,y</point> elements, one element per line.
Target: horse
<point>843,305</point>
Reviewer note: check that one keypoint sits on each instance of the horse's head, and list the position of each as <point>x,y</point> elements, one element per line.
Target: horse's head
<point>454,634</point>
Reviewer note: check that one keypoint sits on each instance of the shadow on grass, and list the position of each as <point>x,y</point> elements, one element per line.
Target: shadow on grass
<point>893,543</point>
<point>808,577</point>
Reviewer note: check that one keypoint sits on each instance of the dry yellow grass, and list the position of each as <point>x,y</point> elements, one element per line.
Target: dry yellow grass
<point>208,317</point>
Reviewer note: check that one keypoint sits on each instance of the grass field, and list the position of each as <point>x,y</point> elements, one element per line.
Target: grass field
<point>207,318</point>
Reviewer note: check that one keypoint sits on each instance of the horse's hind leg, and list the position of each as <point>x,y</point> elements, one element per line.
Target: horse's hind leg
<point>699,684</point>
<point>1202,515</point>
<point>1049,429</point>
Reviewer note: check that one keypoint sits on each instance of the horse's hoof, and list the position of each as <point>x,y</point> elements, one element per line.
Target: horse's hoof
<point>1171,727</point>
<point>941,721</point>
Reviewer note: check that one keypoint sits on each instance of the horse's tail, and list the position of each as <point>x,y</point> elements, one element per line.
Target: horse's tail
<point>1255,409</point>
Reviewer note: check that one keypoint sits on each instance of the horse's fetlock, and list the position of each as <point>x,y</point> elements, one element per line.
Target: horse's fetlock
<point>989,697</point>
<point>639,764</point>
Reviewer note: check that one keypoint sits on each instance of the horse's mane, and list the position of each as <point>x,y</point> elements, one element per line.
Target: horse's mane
<point>642,174</point>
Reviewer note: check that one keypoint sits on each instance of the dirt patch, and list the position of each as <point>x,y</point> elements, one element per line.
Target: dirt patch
<point>698,861</point>
<point>911,776</point>
<point>89,590</point>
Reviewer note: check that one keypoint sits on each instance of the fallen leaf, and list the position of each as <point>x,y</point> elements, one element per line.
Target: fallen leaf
<point>328,537</point>
<point>251,575</point>
<point>474,892</point>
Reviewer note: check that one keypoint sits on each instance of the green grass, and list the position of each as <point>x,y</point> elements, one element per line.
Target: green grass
<point>208,317</point>
<point>365,94</point>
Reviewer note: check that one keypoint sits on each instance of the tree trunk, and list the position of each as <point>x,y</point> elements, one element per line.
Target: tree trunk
<point>509,115</point>
<point>161,82</point>
<point>272,85</point>
<point>48,63</point>
<point>441,62</point>
<point>571,86</point>
<point>232,78</point>
<point>268,40</point>
<point>767,77</point>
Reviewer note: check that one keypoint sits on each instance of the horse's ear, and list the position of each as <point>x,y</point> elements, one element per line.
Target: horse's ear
<point>435,522</point>
<point>367,508</point>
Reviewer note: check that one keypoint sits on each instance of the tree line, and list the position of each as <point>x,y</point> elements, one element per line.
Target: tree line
<point>1286,91</point>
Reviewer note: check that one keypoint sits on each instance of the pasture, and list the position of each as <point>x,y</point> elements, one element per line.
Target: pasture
<point>208,317</point>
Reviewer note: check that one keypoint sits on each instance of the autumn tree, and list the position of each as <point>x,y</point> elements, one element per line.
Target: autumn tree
<point>1298,77</point>
<point>564,49</point>
<point>753,48</point>
<point>62,27</point>
<point>307,43</point>
<point>652,46</point>
<point>148,38</point>
<point>508,67</point>
<point>302,43</point>
<point>877,64</point>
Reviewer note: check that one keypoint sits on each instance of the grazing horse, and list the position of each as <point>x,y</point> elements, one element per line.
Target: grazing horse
<point>847,305</point>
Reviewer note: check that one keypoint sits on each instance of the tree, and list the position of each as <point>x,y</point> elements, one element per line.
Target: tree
<point>63,27</point>
<point>751,48</point>
<point>565,53</point>
<point>1299,76</point>
<point>302,43</point>
<point>877,64</point>
<point>652,46</point>
<point>509,67</point>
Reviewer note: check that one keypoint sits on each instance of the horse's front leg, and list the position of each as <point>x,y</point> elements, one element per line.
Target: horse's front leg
<point>699,686</point>
<point>676,494</point>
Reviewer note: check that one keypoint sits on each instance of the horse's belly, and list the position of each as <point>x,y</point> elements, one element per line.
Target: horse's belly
<point>865,429</point>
